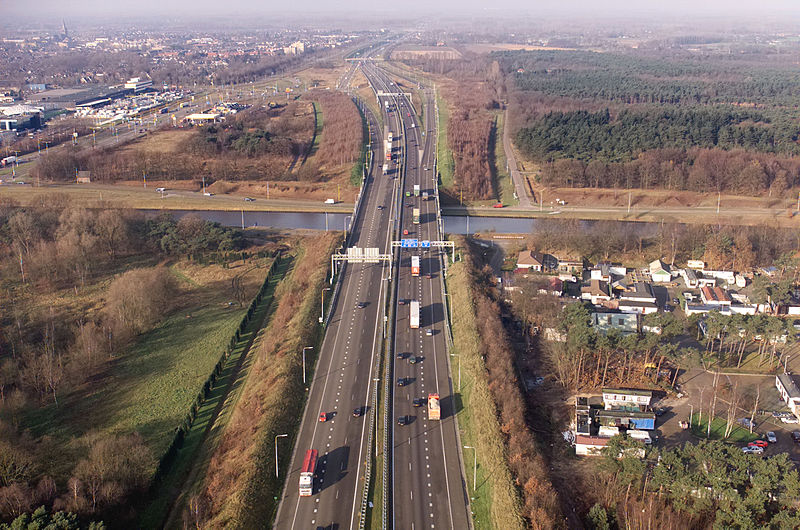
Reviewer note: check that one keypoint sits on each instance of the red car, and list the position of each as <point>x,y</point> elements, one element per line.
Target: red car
<point>759,443</point>
<point>323,417</point>
<point>405,232</point>
<point>498,205</point>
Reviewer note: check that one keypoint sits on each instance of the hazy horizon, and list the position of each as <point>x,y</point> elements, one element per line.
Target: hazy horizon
<point>47,9</point>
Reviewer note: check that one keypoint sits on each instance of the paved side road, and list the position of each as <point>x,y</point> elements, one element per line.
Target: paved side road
<point>516,176</point>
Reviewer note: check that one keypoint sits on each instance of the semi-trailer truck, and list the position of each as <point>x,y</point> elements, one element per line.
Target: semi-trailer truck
<point>414,314</point>
<point>307,473</point>
<point>414,265</point>
<point>434,410</point>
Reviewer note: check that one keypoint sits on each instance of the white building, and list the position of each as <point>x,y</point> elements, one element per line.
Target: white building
<point>788,390</point>
<point>659,272</point>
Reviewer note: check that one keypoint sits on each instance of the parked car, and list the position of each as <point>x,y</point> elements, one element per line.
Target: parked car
<point>771,438</point>
<point>763,444</point>
<point>796,436</point>
<point>746,422</point>
<point>789,419</point>
<point>753,450</point>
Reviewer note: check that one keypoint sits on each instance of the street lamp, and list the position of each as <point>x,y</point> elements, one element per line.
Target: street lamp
<point>322,304</point>
<point>474,468</point>
<point>304,361</point>
<point>276,452</point>
<point>459,369</point>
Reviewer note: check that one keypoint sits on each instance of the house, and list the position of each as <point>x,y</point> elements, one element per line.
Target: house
<point>571,266</point>
<point>536,261</point>
<point>639,420</point>
<point>659,272</point>
<point>639,292</point>
<point>625,323</point>
<point>555,287</point>
<point>715,296</point>
<point>726,276</point>
<point>595,292</point>
<point>637,307</point>
<point>589,445</point>
<point>607,271</point>
<point>689,278</point>
<point>627,398</point>
<point>583,416</point>
<point>787,385</point>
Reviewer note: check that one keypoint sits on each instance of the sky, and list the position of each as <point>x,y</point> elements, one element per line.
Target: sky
<point>79,8</point>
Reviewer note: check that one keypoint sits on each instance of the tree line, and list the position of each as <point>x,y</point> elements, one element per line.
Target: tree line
<point>676,169</point>
<point>342,131</point>
<point>596,135</point>
<point>740,248</point>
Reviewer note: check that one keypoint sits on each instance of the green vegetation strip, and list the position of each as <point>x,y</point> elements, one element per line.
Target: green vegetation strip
<point>503,185</point>
<point>495,503</point>
<point>360,167</point>
<point>444,157</point>
<point>172,480</point>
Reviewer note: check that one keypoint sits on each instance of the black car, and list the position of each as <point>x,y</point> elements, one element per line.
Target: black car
<point>357,413</point>
<point>660,411</point>
<point>418,402</point>
<point>403,420</point>
<point>401,301</point>
<point>415,359</point>
<point>796,436</point>
<point>362,305</point>
<point>401,381</point>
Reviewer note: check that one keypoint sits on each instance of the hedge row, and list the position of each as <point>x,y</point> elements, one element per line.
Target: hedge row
<point>168,458</point>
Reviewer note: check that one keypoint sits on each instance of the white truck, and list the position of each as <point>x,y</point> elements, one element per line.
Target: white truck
<point>414,314</point>
<point>642,436</point>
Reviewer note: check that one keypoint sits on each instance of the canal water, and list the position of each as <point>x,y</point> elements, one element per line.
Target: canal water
<point>453,224</point>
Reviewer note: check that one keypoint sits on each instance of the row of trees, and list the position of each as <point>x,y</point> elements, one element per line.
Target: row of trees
<point>468,138</point>
<point>741,248</point>
<point>342,132</point>
<point>585,135</point>
<point>526,463</point>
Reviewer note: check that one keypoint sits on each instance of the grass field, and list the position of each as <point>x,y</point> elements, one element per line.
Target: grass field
<point>200,441</point>
<point>495,503</point>
<point>149,388</point>
<point>504,185</point>
<point>444,157</point>
<point>718,426</point>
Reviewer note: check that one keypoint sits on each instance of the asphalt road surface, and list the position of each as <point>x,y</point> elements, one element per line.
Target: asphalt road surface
<point>343,380</point>
<point>428,486</point>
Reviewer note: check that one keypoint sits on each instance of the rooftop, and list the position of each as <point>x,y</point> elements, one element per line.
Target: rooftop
<point>789,382</point>
<point>629,391</point>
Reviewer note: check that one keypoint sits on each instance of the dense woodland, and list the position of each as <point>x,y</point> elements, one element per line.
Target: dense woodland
<point>46,351</point>
<point>646,121</point>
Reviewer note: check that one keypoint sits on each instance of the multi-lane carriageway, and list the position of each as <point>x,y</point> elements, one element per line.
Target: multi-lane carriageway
<point>427,485</point>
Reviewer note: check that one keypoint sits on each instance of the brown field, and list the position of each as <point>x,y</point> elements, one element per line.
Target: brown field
<point>164,141</point>
<point>509,46</point>
<point>425,52</point>
<point>322,77</point>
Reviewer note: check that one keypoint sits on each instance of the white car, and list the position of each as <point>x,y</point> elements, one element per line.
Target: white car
<point>752,450</point>
<point>789,419</point>
<point>429,332</point>
<point>771,438</point>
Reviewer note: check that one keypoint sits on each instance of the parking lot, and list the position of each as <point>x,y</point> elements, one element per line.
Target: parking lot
<point>696,386</point>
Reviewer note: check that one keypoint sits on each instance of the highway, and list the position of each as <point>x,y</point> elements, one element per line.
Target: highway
<point>343,380</point>
<point>428,486</point>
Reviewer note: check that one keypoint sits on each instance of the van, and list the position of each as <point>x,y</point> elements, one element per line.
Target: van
<point>161,190</point>
<point>642,436</point>
<point>608,432</point>
<point>330,201</point>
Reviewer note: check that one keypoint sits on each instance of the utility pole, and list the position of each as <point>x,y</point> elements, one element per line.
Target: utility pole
<point>629,202</point>
<point>304,361</point>
<point>719,199</point>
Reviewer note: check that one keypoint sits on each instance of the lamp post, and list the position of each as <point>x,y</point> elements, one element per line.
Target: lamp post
<point>304,361</point>
<point>322,304</point>
<point>276,452</point>
<point>474,468</point>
